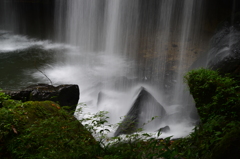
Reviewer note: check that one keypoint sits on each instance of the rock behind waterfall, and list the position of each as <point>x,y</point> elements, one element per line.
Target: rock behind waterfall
<point>64,95</point>
<point>224,53</point>
<point>144,109</point>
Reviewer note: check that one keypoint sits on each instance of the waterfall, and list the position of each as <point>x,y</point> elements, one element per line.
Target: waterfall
<point>8,18</point>
<point>122,45</point>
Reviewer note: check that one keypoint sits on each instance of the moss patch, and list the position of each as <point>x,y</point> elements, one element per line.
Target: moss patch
<point>42,130</point>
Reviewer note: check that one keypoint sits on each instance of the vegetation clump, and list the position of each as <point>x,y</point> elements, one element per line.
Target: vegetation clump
<point>214,94</point>
<point>218,104</point>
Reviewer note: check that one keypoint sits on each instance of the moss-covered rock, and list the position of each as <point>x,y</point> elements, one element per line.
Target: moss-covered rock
<point>64,95</point>
<point>43,129</point>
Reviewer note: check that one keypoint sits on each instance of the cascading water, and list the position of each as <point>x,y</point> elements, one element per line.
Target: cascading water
<point>122,45</point>
<point>102,33</point>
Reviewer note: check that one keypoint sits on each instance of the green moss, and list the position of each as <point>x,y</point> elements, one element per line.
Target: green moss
<point>43,130</point>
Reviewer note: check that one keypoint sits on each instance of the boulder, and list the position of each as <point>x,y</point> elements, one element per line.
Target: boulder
<point>164,129</point>
<point>144,109</point>
<point>64,95</point>
<point>224,53</point>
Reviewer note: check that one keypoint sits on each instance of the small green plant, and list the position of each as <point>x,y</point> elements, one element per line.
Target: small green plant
<point>3,97</point>
<point>131,146</point>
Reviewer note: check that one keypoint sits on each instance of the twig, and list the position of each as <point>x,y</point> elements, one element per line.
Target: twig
<point>44,75</point>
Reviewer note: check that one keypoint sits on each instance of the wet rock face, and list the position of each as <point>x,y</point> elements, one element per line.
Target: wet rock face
<point>224,55</point>
<point>65,95</point>
<point>224,50</point>
<point>144,109</point>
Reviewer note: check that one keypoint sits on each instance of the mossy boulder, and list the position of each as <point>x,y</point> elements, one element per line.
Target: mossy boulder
<point>42,129</point>
<point>64,95</point>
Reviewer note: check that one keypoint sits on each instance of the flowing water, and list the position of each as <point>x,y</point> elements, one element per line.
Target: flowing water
<point>122,45</point>
<point>111,48</point>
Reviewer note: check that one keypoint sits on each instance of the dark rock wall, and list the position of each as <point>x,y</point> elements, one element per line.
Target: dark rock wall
<point>34,18</point>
